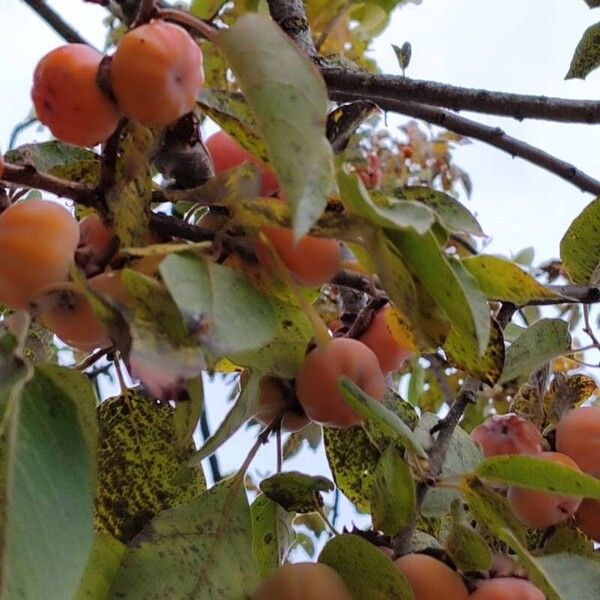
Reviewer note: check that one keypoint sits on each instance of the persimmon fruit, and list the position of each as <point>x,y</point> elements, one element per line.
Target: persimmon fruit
<point>72,319</point>
<point>311,260</point>
<point>68,99</point>
<point>303,581</point>
<point>390,353</point>
<point>226,153</point>
<point>271,402</point>
<point>430,578</point>
<point>156,73</point>
<point>38,239</point>
<point>317,381</point>
<point>578,436</point>
<point>540,509</point>
<point>506,588</point>
<point>507,434</point>
<point>95,244</point>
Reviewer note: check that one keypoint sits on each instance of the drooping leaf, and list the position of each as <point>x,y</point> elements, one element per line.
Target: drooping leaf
<point>345,120</point>
<point>587,54</point>
<point>536,473</point>
<point>233,316</point>
<point>566,393</point>
<point>500,279</point>
<point>48,464</point>
<point>198,550</point>
<point>544,340</point>
<point>381,210</point>
<point>451,214</point>
<point>311,433</point>
<point>244,407</point>
<point>188,411</point>
<point>566,538</point>
<point>462,354</point>
<point>289,100</point>
<point>380,417</point>
<point>580,246</point>
<point>272,534</point>
<point>163,354</point>
<point>393,493</point>
<point>450,285</point>
<point>231,111</point>
<point>102,566</point>
<point>139,463</point>
<point>365,569</point>
<point>296,492</point>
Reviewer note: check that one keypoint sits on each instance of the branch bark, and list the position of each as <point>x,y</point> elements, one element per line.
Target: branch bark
<point>494,136</point>
<point>386,90</point>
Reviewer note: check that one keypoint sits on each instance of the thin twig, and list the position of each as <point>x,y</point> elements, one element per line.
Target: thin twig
<point>213,461</point>
<point>389,90</point>
<point>57,23</point>
<point>494,136</point>
<point>189,21</point>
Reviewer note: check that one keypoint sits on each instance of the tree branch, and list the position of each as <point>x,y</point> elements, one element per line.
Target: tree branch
<point>55,21</point>
<point>28,176</point>
<point>494,136</point>
<point>291,17</point>
<point>386,90</point>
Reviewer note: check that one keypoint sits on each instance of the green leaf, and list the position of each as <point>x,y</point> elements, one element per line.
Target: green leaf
<point>466,546</point>
<point>544,340</point>
<point>285,352</point>
<point>272,534</point>
<point>139,461</point>
<point>382,210</point>
<point>567,538</point>
<point>47,522</point>
<point>199,550</point>
<point>353,459</point>
<point>102,566</point>
<point>367,572</point>
<point>188,411</point>
<point>451,214</point>
<point>403,54</point>
<point>580,246</point>
<point>381,417</point>
<point>296,492</point>
<point>58,159</point>
<point>393,493</point>
<point>450,285</point>
<point>463,354</point>
<point>233,315</point>
<point>573,576</point>
<point>289,100</point>
<point>587,54</point>
<point>500,279</point>
<point>239,413</point>
<point>536,473</point>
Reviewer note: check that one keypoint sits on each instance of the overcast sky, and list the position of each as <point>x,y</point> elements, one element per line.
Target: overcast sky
<point>514,45</point>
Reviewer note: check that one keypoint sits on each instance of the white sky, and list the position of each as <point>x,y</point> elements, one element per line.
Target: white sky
<point>513,45</point>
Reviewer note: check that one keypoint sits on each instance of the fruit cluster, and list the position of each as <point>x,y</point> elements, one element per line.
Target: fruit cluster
<point>35,276</point>
<point>153,77</point>
<point>577,447</point>
<point>428,578</point>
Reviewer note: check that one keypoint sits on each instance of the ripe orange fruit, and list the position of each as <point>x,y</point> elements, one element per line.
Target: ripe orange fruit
<point>67,98</point>
<point>156,73</point>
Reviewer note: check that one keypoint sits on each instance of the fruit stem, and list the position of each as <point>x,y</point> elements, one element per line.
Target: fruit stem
<point>189,21</point>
